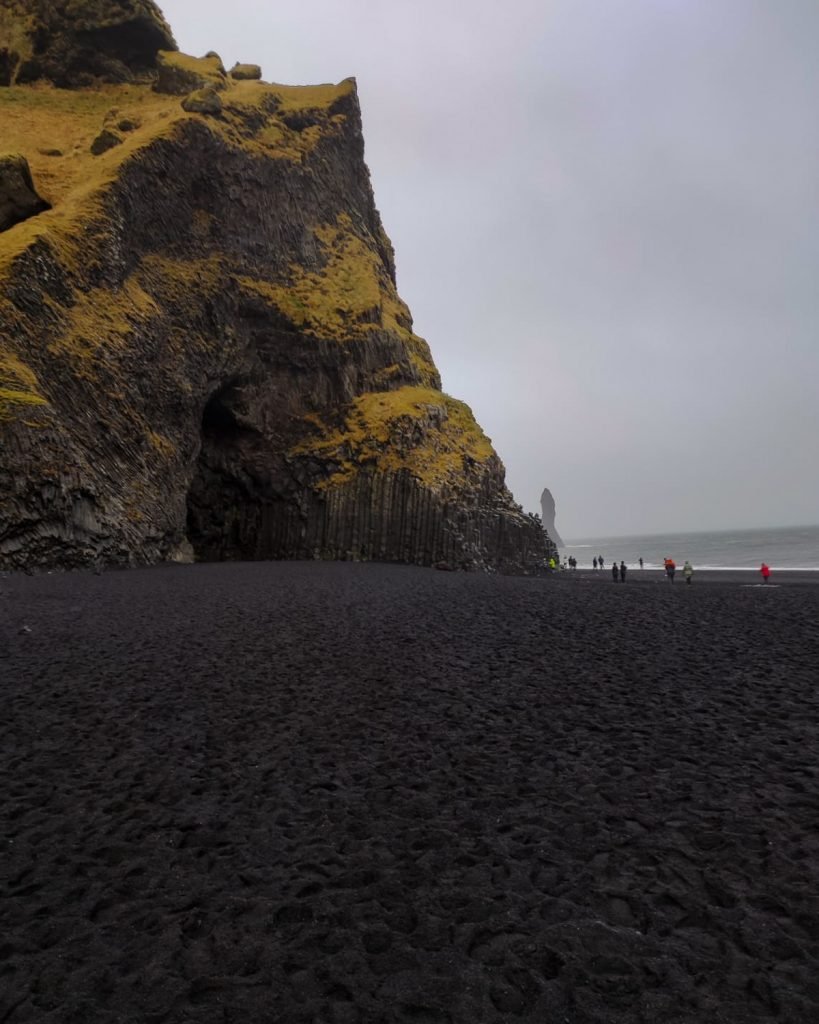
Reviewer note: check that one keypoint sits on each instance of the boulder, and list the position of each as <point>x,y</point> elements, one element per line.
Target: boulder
<point>18,197</point>
<point>246,72</point>
<point>106,140</point>
<point>180,74</point>
<point>203,101</point>
<point>212,54</point>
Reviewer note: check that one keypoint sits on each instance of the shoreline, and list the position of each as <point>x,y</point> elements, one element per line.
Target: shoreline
<point>744,577</point>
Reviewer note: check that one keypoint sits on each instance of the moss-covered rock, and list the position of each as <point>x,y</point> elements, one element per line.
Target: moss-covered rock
<point>18,197</point>
<point>106,140</point>
<point>203,101</point>
<point>246,72</point>
<point>79,41</point>
<point>179,74</point>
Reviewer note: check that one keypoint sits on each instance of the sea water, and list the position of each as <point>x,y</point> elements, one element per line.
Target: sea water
<point>795,547</point>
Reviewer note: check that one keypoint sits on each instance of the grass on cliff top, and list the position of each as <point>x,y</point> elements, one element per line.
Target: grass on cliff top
<point>54,128</point>
<point>418,429</point>
<point>37,119</point>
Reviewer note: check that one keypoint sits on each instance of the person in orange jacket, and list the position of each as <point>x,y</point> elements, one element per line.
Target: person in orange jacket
<point>766,572</point>
<point>670,568</point>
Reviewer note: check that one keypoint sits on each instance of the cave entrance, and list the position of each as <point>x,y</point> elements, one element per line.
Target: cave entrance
<point>227,494</point>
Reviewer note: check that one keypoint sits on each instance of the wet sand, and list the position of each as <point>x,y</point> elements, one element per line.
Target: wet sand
<point>361,793</point>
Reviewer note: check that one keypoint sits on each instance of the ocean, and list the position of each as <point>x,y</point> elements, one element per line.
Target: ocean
<point>795,547</point>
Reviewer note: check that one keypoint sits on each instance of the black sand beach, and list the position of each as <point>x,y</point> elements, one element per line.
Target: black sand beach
<point>359,793</point>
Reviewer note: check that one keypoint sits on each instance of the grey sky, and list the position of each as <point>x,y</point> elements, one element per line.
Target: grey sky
<point>606,223</point>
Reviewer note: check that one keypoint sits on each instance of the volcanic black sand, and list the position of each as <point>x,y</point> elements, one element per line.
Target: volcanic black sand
<point>342,793</point>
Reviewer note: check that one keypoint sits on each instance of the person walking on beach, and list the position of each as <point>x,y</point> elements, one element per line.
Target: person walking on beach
<point>688,571</point>
<point>622,572</point>
<point>600,562</point>
<point>766,572</point>
<point>641,561</point>
<point>614,571</point>
<point>594,563</point>
<point>670,568</point>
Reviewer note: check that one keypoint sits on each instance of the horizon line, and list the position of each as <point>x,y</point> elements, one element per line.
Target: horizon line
<point>667,533</point>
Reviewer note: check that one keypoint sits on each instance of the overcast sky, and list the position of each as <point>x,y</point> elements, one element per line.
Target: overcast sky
<point>606,222</point>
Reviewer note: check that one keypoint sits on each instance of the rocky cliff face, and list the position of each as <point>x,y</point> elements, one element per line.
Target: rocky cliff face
<point>202,349</point>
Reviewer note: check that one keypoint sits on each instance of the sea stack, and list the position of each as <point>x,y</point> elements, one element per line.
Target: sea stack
<point>547,504</point>
<point>203,352</point>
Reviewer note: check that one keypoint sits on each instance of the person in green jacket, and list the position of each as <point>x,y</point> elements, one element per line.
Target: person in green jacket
<point>688,571</point>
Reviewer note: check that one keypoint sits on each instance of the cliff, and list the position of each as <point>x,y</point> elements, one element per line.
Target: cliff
<point>202,349</point>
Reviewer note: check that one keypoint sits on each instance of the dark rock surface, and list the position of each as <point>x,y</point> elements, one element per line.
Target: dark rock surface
<point>362,793</point>
<point>18,197</point>
<point>75,43</point>
<point>547,505</point>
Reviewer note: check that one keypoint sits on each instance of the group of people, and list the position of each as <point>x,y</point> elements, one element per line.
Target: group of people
<point>688,570</point>
<point>671,568</point>
<point>619,571</point>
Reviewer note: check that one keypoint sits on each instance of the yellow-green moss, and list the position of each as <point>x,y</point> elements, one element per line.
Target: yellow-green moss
<point>350,297</point>
<point>16,28</point>
<point>209,69</point>
<point>103,319</point>
<point>39,118</point>
<point>312,97</point>
<point>19,392</point>
<point>340,300</point>
<point>161,444</point>
<point>173,282</point>
<point>381,430</point>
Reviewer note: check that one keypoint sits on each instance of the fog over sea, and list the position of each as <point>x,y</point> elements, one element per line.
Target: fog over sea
<point>794,547</point>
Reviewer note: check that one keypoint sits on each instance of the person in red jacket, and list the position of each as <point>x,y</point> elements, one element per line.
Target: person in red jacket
<point>766,572</point>
<point>670,568</point>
